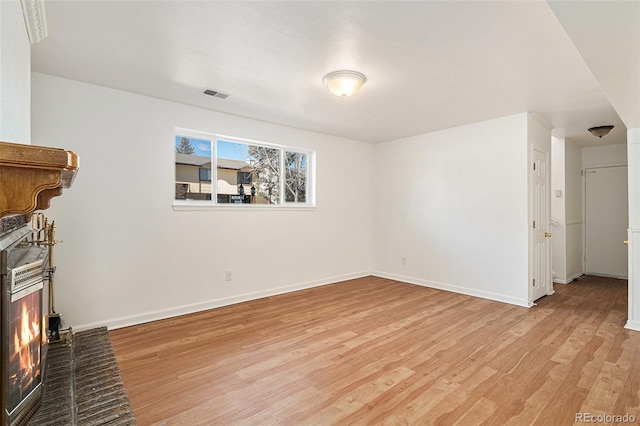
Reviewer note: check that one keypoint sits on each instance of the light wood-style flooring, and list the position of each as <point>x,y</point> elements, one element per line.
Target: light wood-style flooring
<point>376,351</point>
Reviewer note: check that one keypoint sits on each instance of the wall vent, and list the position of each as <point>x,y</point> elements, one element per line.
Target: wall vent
<point>216,94</point>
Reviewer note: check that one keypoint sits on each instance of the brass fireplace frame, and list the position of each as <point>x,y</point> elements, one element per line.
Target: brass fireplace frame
<point>18,281</point>
<point>30,176</point>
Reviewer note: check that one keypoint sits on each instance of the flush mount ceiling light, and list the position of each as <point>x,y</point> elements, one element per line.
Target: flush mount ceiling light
<point>344,83</point>
<point>600,131</point>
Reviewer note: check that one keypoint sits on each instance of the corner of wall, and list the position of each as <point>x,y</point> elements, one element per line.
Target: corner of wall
<point>633,163</point>
<point>15,75</point>
<point>558,210</point>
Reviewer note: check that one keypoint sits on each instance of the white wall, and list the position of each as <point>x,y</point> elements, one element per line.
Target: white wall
<point>128,257</point>
<point>605,155</point>
<point>633,158</point>
<point>15,74</point>
<point>573,210</point>
<point>454,203</point>
<point>568,162</point>
<point>558,213</point>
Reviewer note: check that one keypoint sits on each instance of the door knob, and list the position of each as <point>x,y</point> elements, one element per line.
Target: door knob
<point>626,242</point>
<point>547,234</point>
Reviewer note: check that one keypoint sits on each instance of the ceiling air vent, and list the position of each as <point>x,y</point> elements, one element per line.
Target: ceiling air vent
<point>216,94</point>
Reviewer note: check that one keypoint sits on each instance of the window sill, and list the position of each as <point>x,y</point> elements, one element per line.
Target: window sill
<point>208,205</point>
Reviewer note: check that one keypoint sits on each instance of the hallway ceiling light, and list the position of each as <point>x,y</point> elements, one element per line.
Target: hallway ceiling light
<point>600,131</point>
<point>344,83</point>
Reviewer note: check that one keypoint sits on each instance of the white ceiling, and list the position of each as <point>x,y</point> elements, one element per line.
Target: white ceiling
<point>430,65</point>
<point>607,35</point>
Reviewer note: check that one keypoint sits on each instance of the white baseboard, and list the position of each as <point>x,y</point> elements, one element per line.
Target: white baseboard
<point>455,289</point>
<point>617,277</point>
<point>215,303</point>
<point>632,325</point>
<point>568,280</point>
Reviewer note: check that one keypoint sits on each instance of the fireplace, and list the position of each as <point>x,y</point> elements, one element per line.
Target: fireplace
<point>30,176</point>
<point>22,325</point>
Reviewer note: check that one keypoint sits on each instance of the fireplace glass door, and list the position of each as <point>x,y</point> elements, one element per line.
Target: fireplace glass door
<point>22,341</point>
<point>25,340</point>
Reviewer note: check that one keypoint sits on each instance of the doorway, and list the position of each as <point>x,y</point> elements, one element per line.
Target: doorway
<point>540,257</point>
<point>606,219</point>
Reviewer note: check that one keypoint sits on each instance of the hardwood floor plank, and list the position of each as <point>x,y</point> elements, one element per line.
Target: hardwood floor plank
<point>572,346</point>
<point>285,358</point>
<point>377,351</point>
<point>535,404</point>
<point>479,413</point>
<point>629,400</point>
<point>365,393</point>
<point>454,406</point>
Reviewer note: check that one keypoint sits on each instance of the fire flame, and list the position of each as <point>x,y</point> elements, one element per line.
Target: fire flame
<point>29,331</point>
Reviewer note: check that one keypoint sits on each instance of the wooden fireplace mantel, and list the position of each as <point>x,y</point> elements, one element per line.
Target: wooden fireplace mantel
<point>30,176</point>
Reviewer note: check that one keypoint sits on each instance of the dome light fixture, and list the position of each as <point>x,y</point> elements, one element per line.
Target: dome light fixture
<point>344,83</point>
<point>600,131</point>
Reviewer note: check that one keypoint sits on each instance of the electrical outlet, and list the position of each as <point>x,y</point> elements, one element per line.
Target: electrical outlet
<point>404,260</point>
<point>228,275</point>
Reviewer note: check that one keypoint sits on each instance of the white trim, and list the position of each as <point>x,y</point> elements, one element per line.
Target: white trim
<point>597,274</point>
<point>546,151</point>
<point>35,19</point>
<point>574,222</point>
<point>569,280</point>
<point>127,321</point>
<point>455,289</point>
<point>283,173</point>
<point>194,205</point>
<point>606,165</point>
<point>633,238</point>
<point>633,160</point>
<point>632,325</point>
<point>131,320</point>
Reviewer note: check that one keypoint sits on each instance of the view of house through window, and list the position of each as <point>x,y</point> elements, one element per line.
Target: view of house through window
<point>193,169</point>
<point>234,172</point>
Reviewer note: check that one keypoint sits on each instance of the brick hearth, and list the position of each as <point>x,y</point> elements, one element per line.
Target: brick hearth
<point>82,384</point>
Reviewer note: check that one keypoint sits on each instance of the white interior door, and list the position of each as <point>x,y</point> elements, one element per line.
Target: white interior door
<point>541,279</point>
<point>606,221</point>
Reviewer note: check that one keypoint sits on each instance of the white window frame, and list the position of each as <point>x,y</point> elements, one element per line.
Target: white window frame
<point>199,205</point>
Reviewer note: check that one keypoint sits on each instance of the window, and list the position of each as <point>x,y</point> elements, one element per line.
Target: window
<point>193,168</point>
<point>244,177</point>
<point>295,177</point>
<point>235,171</point>
<point>205,174</point>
